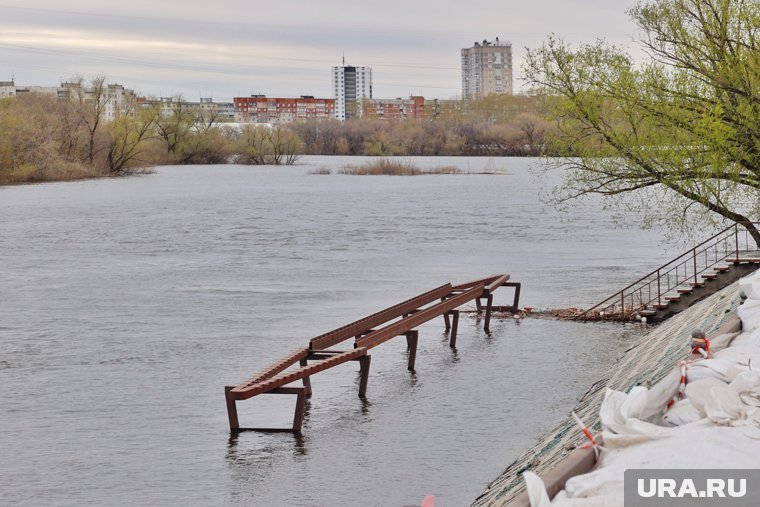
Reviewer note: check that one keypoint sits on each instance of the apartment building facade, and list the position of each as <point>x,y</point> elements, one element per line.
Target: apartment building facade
<point>216,111</point>
<point>486,69</point>
<point>114,98</point>
<point>263,109</point>
<point>351,87</point>
<point>398,109</point>
<point>205,110</point>
<point>7,89</point>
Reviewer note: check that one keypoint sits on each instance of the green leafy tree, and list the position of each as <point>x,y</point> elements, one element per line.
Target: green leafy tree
<point>285,146</point>
<point>263,145</point>
<point>252,145</point>
<point>676,137</point>
<point>129,134</point>
<point>174,122</point>
<point>210,146</point>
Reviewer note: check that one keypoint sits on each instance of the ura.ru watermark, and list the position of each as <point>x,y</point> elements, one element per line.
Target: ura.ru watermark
<point>723,487</point>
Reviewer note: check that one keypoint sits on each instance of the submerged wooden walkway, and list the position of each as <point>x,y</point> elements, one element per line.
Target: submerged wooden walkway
<point>367,333</point>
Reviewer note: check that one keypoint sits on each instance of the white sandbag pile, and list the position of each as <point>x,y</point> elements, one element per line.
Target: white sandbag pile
<point>713,423</point>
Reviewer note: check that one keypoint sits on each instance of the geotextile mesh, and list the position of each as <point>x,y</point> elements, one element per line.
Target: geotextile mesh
<point>655,355</point>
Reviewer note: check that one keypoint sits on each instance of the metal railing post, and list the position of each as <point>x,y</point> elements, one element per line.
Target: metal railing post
<point>659,292</point>
<point>718,242</point>
<point>736,239</point>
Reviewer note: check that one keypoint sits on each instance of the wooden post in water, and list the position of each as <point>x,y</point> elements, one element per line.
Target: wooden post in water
<point>300,408</point>
<point>232,414</point>
<point>454,327</point>
<point>489,304</point>
<point>411,342</point>
<point>364,362</point>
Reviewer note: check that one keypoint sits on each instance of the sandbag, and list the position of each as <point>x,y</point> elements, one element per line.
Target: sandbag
<point>647,405</point>
<point>718,368</point>
<point>749,339</point>
<point>537,494</point>
<point>747,386</point>
<point>682,412</point>
<point>617,408</point>
<point>739,354</point>
<point>698,392</point>
<point>614,441</point>
<point>749,313</point>
<point>601,500</point>
<point>722,341</point>
<point>621,413</point>
<point>594,486</point>
<point>750,284</point>
<point>660,394</point>
<point>725,408</point>
<point>697,445</point>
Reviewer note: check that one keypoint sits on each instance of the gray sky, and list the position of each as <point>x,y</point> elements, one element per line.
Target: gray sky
<point>282,47</point>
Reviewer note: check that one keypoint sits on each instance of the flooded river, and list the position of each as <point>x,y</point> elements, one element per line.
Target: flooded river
<point>126,306</point>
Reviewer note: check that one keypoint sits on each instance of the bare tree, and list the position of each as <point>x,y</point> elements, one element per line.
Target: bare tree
<point>91,101</point>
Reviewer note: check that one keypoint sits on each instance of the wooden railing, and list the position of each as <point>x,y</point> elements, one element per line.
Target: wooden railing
<point>369,332</point>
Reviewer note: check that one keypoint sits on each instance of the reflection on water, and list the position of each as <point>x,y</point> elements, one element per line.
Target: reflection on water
<point>128,304</point>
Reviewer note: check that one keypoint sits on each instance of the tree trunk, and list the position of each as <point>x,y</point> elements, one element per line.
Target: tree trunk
<point>753,231</point>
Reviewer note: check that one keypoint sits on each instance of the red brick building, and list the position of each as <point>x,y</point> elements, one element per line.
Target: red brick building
<point>397,109</point>
<point>263,109</point>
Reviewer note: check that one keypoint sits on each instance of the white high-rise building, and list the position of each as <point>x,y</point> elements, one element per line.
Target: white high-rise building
<point>486,69</point>
<point>351,86</point>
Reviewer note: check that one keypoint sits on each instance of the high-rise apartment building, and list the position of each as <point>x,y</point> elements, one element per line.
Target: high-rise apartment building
<point>486,69</point>
<point>351,86</point>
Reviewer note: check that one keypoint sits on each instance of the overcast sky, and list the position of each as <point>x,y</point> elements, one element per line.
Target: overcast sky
<point>282,47</point>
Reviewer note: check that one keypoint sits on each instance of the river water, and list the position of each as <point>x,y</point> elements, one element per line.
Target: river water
<point>126,306</point>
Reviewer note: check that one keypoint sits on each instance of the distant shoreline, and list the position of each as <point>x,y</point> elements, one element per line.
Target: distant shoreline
<point>11,180</point>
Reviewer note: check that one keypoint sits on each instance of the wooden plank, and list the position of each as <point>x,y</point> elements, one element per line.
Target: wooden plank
<point>249,391</point>
<point>417,319</point>
<point>473,283</point>
<point>355,328</point>
<point>275,368</point>
<point>490,287</point>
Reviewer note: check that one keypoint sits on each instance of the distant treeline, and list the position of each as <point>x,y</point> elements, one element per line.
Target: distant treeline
<point>501,125</point>
<point>372,137</point>
<point>45,138</point>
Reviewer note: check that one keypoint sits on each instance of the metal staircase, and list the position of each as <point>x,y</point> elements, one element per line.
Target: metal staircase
<point>690,277</point>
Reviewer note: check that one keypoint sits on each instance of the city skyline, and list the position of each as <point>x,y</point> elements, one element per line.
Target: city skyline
<point>237,49</point>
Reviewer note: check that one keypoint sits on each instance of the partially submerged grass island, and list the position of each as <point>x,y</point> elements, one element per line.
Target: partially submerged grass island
<point>388,167</point>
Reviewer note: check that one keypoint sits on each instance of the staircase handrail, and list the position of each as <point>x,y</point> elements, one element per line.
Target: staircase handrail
<point>691,253</point>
